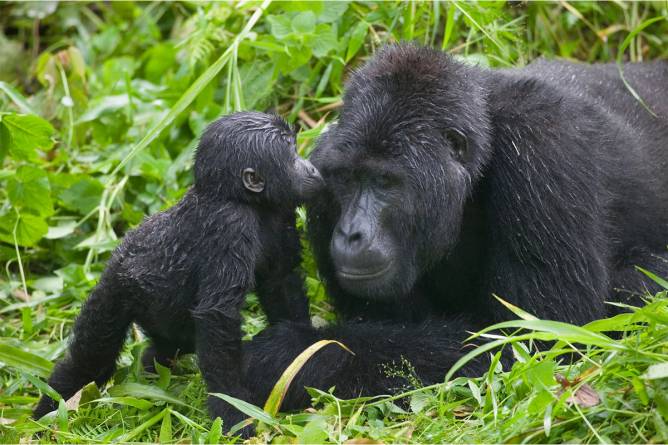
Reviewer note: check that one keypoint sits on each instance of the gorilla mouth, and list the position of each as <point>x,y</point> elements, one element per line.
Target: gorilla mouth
<point>364,274</point>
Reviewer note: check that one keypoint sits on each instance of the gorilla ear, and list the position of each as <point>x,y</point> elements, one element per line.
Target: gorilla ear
<point>252,180</point>
<point>460,144</point>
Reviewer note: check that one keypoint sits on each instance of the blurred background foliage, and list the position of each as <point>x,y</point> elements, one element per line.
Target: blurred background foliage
<point>101,104</point>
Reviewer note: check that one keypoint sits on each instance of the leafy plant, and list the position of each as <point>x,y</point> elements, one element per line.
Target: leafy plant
<point>101,104</point>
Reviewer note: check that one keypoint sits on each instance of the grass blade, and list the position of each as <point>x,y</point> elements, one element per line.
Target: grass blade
<point>247,408</point>
<point>277,395</point>
<point>17,98</point>
<point>143,392</point>
<point>25,361</point>
<point>560,330</point>
<point>660,281</point>
<point>620,54</point>
<point>515,310</point>
<point>143,427</point>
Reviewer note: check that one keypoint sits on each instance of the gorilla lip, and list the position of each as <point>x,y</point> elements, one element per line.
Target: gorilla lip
<point>364,274</point>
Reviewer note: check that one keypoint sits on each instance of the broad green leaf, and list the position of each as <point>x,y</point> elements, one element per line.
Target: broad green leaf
<point>216,431</point>
<point>166,428</point>
<point>332,11</point>
<point>89,393</point>
<point>657,371</point>
<point>541,375</point>
<point>25,361</point>
<point>30,189</point>
<point>280,26</point>
<point>640,390</point>
<point>63,229</point>
<point>29,228</point>
<point>314,431</point>
<point>539,402</point>
<point>356,39</point>
<point>83,196</point>
<point>304,22</point>
<point>419,401</point>
<point>273,403</point>
<point>48,283</point>
<point>102,105</point>
<point>160,58</point>
<point>26,134</point>
<point>324,40</point>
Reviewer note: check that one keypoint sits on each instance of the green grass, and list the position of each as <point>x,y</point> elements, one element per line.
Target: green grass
<point>100,108</point>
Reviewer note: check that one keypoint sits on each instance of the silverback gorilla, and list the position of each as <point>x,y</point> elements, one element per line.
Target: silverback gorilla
<point>447,183</point>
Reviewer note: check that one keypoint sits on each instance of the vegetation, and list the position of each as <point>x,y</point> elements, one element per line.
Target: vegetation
<point>100,108</point>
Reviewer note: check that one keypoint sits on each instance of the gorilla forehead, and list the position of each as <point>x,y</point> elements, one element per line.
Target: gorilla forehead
<point>402,102</point>
<point>254,130</point>
<point>416,79</point>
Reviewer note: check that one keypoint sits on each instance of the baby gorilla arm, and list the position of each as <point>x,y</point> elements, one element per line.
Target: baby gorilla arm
<point>430,347</point>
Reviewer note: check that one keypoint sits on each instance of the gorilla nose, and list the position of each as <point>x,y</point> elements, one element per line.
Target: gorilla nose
<point>355,255</point>
<point>350,240</point>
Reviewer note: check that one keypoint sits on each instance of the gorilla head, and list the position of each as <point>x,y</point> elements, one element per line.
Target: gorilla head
<point>409,146</point>
<point>251,157</point>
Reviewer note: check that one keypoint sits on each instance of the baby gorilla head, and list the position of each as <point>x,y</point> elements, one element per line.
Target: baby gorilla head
<point>251,157</point>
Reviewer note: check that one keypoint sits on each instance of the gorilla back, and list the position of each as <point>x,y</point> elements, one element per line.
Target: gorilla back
<point>448,183</point>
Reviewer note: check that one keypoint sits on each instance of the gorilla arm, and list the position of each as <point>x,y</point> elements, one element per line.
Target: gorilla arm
<point>431,348</point>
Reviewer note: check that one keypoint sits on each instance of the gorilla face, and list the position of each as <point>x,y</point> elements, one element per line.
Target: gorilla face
<point>399,166</point>
<point>398,207</point>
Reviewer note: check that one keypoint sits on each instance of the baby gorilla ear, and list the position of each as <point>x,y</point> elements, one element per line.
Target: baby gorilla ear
<point>252,180</point>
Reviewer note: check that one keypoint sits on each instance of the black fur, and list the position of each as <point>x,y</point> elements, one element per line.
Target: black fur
<point>183,274</point>
<point>448,183</point>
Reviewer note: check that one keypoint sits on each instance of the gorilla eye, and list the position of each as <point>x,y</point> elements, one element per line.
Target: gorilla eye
<point>460,144</point>
<point>252,180</point>
<point>384,181</point>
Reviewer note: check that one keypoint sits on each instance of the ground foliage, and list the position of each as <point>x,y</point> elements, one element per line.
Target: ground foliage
<point>100,108</point>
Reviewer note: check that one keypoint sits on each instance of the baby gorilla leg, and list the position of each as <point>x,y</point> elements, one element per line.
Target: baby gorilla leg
<point>98,335</point>
<point>218,345</point>
<point>163,351</point>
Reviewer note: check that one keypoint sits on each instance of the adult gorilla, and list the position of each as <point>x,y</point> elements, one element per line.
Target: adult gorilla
<point>449,183</point>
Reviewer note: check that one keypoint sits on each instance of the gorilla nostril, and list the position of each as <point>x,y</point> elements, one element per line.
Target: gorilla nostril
<point>355,238</point>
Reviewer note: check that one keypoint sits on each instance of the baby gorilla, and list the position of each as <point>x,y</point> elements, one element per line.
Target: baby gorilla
<point>183,274</point>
